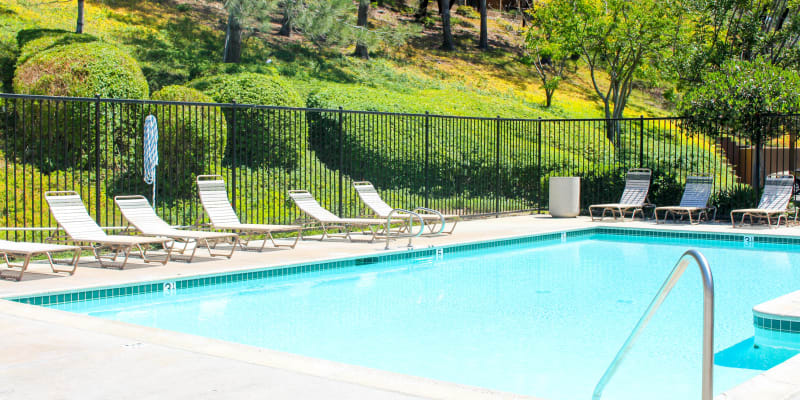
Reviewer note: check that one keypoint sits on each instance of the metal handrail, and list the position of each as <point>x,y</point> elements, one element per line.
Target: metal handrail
<point>708,323</point>
<point>410,235</point>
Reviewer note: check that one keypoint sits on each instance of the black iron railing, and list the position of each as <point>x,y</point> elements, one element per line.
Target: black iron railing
<point>464,165</point>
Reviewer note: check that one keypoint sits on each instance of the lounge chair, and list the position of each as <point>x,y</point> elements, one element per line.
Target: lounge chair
<point>70,214</point>
<point>214,198</point>
<point>26,250</point>
<point>774,201</point>
<point>633,199</point>
<point>327,220</point>
<point>137,211</point>
<point>433,219</point>
<point>694,201</point>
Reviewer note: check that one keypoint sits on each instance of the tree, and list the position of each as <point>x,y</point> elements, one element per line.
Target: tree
<point>250,12</point>
<point>550,47</point>
<point>79,27</point>
<point>617,37</point>
<point>422,10</point>
<point>447,34</point>
<point>363,14</point>
<point>483,43</point>
<point>744,96</point>
<point>717,31</point>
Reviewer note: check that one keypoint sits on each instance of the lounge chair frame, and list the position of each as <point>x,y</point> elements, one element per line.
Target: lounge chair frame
<point>138,212</point>
<point>325,220</point>
<point>633,199</point>
<point>369,196</point>
<point>774,202</point>
<point>26,251</point>
<point>694,201</point>
<point>71,216</point>
<point>214,198</point>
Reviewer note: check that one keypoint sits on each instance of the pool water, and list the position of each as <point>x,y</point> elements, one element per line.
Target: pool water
<point>542,319</point>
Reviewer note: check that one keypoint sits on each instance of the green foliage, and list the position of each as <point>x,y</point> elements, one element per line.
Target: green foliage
<point>188,140</point>
<point>737,197</point>
<point>82,70</point>
<point>264,137</point>
<point>467,11</point>
<point>550,46</point>
<point>8,58</point>
<point>738,92</point>
<point>26,35</point>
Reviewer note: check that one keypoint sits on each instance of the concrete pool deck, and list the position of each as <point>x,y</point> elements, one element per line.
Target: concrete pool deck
<point>48,353</point>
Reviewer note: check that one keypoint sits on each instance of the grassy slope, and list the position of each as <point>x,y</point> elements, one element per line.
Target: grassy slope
<point>186,39</point>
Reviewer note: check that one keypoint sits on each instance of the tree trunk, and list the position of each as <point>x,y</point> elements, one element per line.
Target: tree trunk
<point>286,21</point>
<point>79,28</point>
<point>233,41</point>
<point>363,13</point>
<point>422,10</point>
<point>549,96</point>
<point>447,43</point>
<point>484,39</point>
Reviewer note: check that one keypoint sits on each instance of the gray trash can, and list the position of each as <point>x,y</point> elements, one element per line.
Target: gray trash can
<point>565,196</point>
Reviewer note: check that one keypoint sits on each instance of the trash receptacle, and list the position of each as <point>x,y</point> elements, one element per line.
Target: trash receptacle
<point>565,196</point>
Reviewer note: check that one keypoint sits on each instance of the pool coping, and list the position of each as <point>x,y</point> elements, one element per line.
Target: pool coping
<point>769,382</point>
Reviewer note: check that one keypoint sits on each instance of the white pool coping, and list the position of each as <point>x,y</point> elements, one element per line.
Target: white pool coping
<point>33,337</point>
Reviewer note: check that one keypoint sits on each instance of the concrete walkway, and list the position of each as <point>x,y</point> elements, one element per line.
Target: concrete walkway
<point>52,354</point>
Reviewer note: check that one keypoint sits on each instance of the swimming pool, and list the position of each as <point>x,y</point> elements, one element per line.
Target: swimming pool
<point>543,316</point>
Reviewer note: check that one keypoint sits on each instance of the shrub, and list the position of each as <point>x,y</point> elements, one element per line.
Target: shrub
<point>82,70</point>
<point>31,45</point>
<point>8,58</point>
<point>737,197</point>
<point>264,137</point>
<point>187,139</point>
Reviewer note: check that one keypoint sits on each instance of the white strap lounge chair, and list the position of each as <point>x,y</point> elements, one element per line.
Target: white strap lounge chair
<point>633,199</point>
<point>433,219</point>
<point>68,210</point>
<point>774,201</point>
<point>26,250</point>
<point>694,201</point>
<point>327,220</point>
<point>137,211</point>
<point>214,198</point>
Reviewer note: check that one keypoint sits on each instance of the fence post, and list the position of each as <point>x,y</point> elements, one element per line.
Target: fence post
<point>497,168</point>
<point>341,163</point>
<point>233,153</point>
<point>97,158</point>
<point>425,167</point>
<point>641,141</point>
<point>539,165</point>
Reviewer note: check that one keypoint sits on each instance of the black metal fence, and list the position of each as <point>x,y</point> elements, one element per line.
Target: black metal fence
<point>463,165</point>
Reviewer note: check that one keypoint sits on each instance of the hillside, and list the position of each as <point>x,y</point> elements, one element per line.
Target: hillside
<point>180,40</point>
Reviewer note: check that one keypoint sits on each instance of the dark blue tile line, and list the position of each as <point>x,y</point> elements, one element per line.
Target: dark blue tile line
<point>776,324</point>
<point>87,295</point>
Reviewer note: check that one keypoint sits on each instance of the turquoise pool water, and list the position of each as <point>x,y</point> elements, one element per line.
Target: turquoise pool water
<point>543,319</point>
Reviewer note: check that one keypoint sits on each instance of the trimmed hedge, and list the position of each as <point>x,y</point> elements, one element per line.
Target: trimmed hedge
<point>81,70</point>
<point>264,137</point>
<point>53,38</point>
<point>188,137</point>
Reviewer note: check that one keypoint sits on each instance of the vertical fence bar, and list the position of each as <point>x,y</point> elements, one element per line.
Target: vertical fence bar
<point>427,152</point>
<point>97,157</point>
<point>497,169</point>
<point>539,164</point>
<point>233,154</point>
<point>641,141</point>
<point>341,163</point>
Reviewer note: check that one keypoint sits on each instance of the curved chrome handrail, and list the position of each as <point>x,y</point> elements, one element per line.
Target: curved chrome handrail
<point>441,216</point>
<point>708,324</point>
<point>410,236</point>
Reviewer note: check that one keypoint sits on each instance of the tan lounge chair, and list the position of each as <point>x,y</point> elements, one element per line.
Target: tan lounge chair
<point>327,220</point>
<point>433,219</point>
<point>633,199</point>
<point>774,202</point>
<point>694,201</point>
<point>137,211</point>
<point>214,198</point>
<point>68,210</point>
<point>26,250</point>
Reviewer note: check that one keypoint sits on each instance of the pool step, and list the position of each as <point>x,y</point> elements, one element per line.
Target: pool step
<point>777,322</point>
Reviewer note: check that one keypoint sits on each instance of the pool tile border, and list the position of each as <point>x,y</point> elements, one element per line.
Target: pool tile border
<point>49,299</point>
